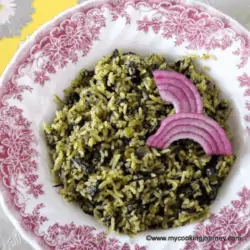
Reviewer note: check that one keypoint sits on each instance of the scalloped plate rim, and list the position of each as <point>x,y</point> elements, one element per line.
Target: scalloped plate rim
<point>27,44</point>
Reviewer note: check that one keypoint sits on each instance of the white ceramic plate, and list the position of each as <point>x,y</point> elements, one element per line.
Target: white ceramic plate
<point>47,63</point>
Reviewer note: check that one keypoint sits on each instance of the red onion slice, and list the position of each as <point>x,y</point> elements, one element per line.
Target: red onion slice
<point>174,129</point>
<point>198,127</point>
<point>195,137</point>
<point>209,143</point>
<point>165,78</point>
<point>177,97</point>
<point>196,123</point>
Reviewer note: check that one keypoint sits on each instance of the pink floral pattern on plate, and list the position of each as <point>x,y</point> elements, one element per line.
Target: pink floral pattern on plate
<point>245,84</point>
<point>232,221</point>
<point>63,43</point>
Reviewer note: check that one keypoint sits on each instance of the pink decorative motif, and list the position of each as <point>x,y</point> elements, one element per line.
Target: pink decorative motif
<point>35,220</point>
<point>64,43</point>
<point>232,221</point>
<point>144,24</point>
<point>117,8</point>
<point>244,50</point>
<point>199,30</point>
<point>40,77</point>
<point>245,83</point>
<point>247,105</point>
<point>12,90</point>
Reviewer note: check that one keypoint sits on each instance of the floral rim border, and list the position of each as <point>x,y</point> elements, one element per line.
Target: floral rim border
<point>117,10</point>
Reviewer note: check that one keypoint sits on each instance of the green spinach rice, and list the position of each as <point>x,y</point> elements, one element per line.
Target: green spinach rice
<point>98,146</point>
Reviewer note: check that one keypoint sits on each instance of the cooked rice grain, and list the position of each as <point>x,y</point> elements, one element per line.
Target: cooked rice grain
<point>98,146</point>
